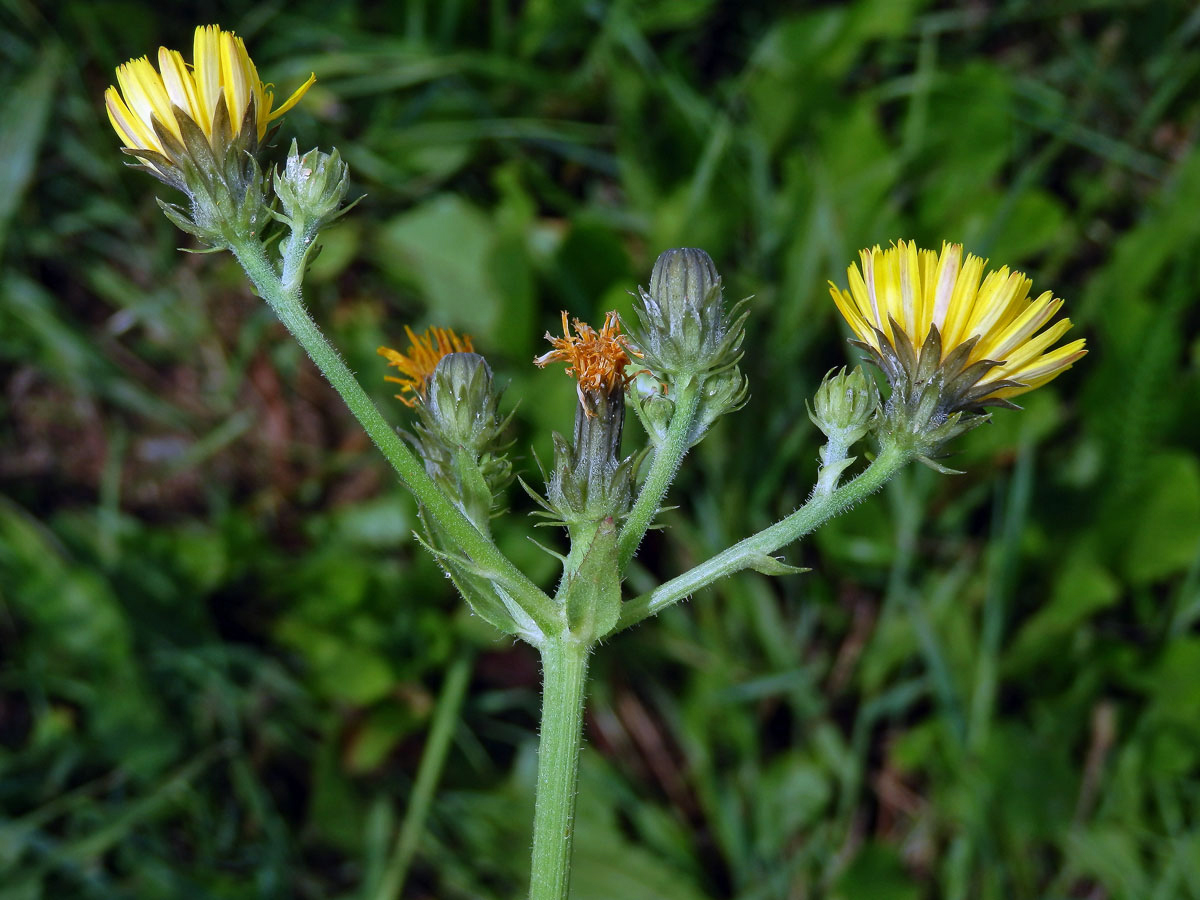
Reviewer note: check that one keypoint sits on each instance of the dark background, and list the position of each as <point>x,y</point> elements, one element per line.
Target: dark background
<point>220,646</point>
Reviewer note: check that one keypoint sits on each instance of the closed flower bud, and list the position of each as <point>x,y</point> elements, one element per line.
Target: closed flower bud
<point>655,411</point>
<point>459,432</point>
<point>845,406</point>
<point>720,393</point>
<point>462,403</point>
<point>311,188</point>
<point>684,329</point>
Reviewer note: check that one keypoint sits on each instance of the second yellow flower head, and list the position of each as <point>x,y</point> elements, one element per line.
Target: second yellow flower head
<point>899,295</point>
<point>417,366</point>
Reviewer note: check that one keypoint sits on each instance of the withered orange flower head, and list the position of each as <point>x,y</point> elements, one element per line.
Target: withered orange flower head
<point>595,359</point>
<point>424,353</point>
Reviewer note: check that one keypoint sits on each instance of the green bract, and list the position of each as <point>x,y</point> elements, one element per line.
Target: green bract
<point>933,400</point>
<point>463,403</point>
<point>222,178</point>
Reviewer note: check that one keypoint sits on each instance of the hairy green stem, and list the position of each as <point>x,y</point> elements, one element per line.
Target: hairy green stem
<point>662,471</point>
<point>818,510</point>
<point>288,306</point>
<point>564,673</point>
<point>429,772</point>
<point>833,463</point>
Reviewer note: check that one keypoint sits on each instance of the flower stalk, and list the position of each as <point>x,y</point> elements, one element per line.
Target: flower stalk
<point>686,336</point>
<point>755,552</point>
<point>668,456</point>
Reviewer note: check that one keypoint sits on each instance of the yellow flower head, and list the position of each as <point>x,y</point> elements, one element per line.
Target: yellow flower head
<point>596,359</point>
<point>907,305</point>
<point>424,353</point>
<point>221,77</point>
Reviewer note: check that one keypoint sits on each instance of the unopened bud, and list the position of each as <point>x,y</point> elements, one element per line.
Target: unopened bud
<point>460,435</point>
<point>683,280</point>
<point>655,411</point>
<point>311,188</point>
<point>462,403</point>
<point>845,406</point>
<point>721,393</point>
<point>684,329</point>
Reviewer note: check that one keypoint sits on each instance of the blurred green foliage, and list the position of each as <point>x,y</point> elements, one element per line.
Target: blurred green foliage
<point>220,646</point>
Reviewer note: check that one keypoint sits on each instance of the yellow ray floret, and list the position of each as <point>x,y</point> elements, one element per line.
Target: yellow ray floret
<point>596,359</point>
<point>921,289</point>
<point>424,353</point>
<point>221,70</point>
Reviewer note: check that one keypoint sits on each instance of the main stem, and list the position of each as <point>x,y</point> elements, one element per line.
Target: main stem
<point>666,463</point>
<point>564,672</point>
<point>819,509</point>
<point>288,307</point>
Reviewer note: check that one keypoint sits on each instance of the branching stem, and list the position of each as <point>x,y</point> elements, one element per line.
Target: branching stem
<point>818,510</point>
<point>287,305</point>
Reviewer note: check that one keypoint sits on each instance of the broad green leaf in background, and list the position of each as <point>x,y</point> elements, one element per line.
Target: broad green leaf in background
<point>25,112</point>
<point>1165,534</point>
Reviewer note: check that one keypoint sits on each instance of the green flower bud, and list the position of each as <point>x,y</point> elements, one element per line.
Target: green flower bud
<point>721,393</point>
<point>311,188</point>
<point>462,403</point>
<point>846,406</point>
<point>655,411</point>
<point>460,434</point>
<point>684,329</point>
